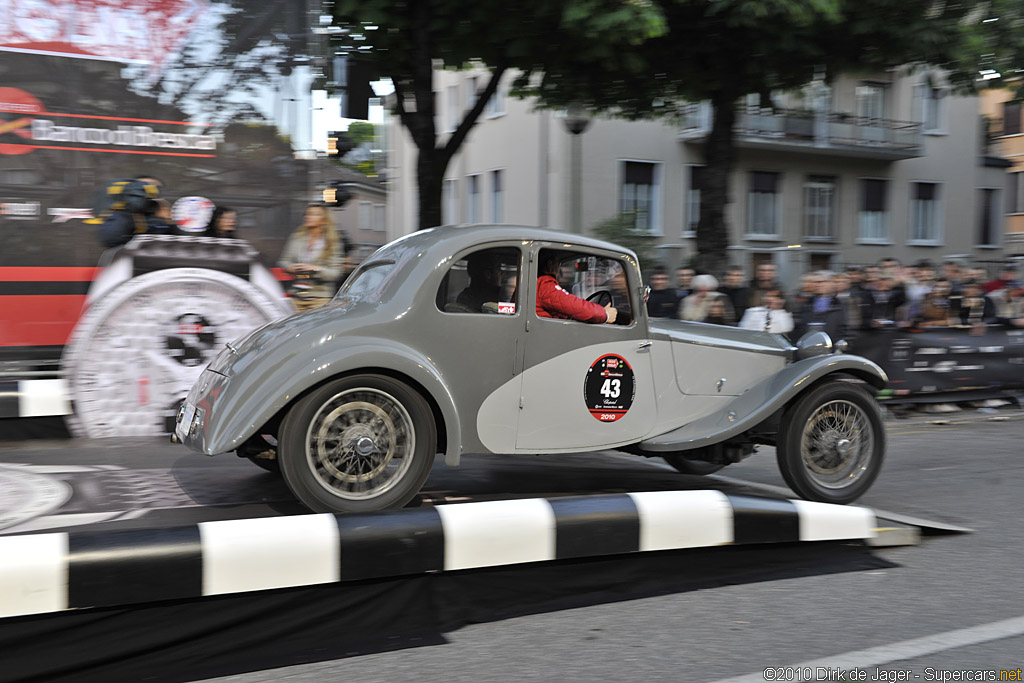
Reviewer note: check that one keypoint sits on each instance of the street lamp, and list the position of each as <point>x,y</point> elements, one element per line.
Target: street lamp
<point>576,120</point>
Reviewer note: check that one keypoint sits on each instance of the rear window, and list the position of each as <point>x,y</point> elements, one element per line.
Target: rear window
<point>368,279</point>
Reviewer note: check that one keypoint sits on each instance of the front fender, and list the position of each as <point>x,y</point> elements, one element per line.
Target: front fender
<point>246,401</point>
<point>762,401</point>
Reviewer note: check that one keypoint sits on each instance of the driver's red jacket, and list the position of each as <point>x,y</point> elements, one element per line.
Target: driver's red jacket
<point>555,302</point>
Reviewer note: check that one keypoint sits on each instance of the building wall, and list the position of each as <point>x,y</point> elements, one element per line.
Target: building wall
<point>1012,148</point>
<point>534,151</point>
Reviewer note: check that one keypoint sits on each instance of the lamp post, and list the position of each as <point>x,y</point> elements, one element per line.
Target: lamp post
<point>576,120</point>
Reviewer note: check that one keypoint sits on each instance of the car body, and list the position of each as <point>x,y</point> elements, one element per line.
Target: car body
<point>357,395</point>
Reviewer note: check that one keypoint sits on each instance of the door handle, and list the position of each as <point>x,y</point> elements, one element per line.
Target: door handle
<point>645,344</point>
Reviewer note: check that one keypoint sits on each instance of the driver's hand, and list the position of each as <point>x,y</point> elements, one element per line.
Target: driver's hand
<point>611,312</point>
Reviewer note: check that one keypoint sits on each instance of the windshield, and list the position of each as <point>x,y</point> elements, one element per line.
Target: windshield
<point>369,278</point>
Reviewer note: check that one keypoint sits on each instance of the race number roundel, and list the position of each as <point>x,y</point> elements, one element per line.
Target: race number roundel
<point>609,388</point>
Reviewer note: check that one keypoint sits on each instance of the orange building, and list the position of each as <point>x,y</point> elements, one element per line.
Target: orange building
<point>1006,132</point>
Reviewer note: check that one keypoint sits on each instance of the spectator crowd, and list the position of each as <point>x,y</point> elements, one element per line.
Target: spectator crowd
<point>846,303</point>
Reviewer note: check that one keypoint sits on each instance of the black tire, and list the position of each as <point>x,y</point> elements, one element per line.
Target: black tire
<point>831,443</point>
<point>700,468</point>
<point>357,444</point>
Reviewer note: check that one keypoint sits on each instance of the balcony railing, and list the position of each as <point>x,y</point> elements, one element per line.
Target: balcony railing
<point>829,132</point>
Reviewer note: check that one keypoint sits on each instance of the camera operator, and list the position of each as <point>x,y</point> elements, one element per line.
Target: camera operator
<point>139,209</point>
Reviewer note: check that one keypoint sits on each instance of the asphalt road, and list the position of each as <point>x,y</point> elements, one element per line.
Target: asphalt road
<point>950,604</point>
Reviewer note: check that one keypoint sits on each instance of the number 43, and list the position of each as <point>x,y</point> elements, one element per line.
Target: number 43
<point>610,388</point>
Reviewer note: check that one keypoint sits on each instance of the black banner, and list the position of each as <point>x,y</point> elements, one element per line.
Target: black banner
<point>943,359</point>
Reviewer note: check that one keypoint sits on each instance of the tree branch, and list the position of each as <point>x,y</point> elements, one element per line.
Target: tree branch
<point>470,118</point>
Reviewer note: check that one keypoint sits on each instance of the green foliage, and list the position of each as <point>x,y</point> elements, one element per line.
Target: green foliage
<point>619,230</point>
<point>257,46</point>
<point>722,50</point>
<point>409,38</point>
<point>360,132</point>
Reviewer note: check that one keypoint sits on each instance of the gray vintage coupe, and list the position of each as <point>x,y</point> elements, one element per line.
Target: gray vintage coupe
<point>434,344</point>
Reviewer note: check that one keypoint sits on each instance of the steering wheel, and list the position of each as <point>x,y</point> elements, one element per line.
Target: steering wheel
<point>601,297</point>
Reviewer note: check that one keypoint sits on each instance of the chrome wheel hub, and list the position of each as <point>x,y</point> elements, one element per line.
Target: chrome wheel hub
<point>360,443</point>
<point>837,444</point>
<point>364,446</point>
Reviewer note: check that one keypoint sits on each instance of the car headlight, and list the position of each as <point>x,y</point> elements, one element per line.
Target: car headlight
<point>814,343</point>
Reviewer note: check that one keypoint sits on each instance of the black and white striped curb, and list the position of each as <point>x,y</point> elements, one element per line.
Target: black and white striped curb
<point>52,572</point>
<point>34,398</point>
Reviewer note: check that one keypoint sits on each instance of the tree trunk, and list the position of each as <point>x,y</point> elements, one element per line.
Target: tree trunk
<point>430,179</point>
<point>719,158</point>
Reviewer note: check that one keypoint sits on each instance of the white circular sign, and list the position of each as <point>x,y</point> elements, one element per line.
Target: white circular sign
<point>136,352</point>
<point>192,214</point>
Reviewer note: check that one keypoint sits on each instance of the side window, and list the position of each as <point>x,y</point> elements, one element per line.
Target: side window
<point>484,281</point>
<point>596,278</point>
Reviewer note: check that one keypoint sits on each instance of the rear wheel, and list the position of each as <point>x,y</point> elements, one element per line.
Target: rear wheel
<point>357,444</point>
<point>831,443</point>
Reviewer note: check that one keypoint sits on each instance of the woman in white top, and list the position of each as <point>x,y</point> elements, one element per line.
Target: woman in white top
<point>313,257</point>
<point>772,317</point>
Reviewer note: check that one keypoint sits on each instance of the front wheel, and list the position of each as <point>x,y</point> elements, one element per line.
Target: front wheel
<point>357,444</point>
<point>831,443</point>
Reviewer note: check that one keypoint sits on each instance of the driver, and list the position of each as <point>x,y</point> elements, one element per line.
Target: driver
<point>555,302</point>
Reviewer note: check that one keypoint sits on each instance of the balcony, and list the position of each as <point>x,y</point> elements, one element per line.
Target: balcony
<point>809,132</point>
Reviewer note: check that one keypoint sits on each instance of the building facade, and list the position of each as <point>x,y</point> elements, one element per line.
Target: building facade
<point>1005,128</point>
<point>847,173</point>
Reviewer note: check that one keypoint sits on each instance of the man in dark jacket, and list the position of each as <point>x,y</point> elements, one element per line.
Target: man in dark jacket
<point>662,302</point>
<point>738,293</point>
<point>822,309</point>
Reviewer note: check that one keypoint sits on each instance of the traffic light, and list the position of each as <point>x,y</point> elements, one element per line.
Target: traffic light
<point>336,195</point>
<point>352,78</point>
<point>339,144</point>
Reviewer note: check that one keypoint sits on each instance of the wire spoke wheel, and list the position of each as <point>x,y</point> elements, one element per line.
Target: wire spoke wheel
<point>831,442</point>
<point>357,444</point>
<point>837,444</point>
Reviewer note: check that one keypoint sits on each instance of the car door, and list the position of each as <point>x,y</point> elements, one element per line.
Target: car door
<point>585,385</point>
<point>480,342</point>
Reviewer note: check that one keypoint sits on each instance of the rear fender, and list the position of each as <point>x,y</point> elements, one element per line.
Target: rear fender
<point>762,401</point>
<point>250,399</point>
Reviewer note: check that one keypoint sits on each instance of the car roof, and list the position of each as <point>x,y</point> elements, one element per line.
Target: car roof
<point>449,239</point>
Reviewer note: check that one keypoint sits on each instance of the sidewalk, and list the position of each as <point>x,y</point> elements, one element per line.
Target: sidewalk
<point>953,413</point>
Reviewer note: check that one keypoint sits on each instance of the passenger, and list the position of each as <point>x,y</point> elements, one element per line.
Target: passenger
<point>484,268</point>
<point>555,302</point>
